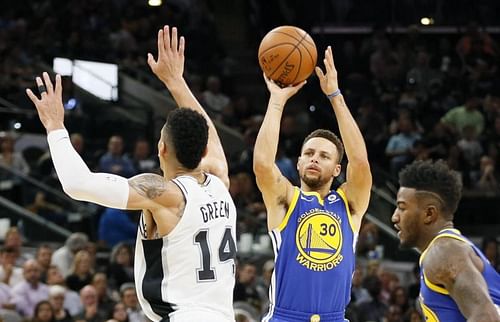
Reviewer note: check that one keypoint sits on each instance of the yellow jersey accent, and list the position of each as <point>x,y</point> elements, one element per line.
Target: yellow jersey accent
<point>432,286</point>
<point>293,203</point>
<point>429,315</point>
<point>315,318</point>
<point>317,195</point>
<point>349,216</point>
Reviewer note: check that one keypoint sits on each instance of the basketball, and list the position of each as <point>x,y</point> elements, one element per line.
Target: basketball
<point>287,55</point>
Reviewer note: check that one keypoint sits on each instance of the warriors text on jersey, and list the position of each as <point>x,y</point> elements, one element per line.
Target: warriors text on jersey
<point>314,253</point>
<point>437,305</point>
<point>189,273</point>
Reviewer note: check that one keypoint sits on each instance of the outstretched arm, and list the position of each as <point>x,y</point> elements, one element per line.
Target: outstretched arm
<point>169,68</point>
<point>357,187</point>
<point>456,266</point>
<point>145,191</point>
<point>276,190</point>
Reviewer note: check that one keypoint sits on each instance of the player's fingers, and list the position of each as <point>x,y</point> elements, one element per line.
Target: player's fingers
<point>151,61</point>
<point>161,45</point>
<point>48,83</point>
<point>182,45</point>
<point>174,40</point>
<point>166,38</point>
<point>330,52</point>
<point>58,89</point>
<point>41,87</point>
<point>32,96</point>
<point>319,72</point>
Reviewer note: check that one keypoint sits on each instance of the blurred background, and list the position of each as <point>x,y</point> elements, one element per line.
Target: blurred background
<point>420,77</point>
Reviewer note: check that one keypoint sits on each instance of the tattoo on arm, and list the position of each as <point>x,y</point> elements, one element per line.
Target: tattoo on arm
<point>149,185</point>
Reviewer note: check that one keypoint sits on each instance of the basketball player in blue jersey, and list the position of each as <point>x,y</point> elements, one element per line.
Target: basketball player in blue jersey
<point>457,281</point>
<point>313,228</point>
<point>185,249</point>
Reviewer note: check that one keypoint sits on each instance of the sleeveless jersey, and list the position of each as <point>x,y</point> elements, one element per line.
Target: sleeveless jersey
<point>314,253</point>
<point>437,305</point>
<point>190,272</point>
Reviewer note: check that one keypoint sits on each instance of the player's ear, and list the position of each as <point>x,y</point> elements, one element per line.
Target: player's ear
<point>337,170</point>
<point>431,214</point>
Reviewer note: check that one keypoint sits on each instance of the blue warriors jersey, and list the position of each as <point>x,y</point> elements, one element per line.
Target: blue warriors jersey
<point>314,255</point>
<point>437,304</point>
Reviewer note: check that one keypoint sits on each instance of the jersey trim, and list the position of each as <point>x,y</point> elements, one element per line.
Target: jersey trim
<point>293,203</point>
<point>315,194</point>
<point>346,203</point>
<point>436,288</point>
<point>429,315</point>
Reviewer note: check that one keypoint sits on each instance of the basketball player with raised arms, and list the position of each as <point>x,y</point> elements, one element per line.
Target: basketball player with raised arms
<point>458,283</point>
<point>313,228</point>
<point>185,249</point>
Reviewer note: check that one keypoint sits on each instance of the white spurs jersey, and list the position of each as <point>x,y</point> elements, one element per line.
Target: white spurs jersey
<point>188,275</point>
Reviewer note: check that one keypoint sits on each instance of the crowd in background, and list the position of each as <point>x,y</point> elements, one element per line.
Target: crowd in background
<point>414,97</point>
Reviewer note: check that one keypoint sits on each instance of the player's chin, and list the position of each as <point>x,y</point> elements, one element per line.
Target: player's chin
<point>404,242</point>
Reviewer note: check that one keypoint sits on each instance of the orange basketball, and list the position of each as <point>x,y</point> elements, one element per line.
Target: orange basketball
<point>287,55</point>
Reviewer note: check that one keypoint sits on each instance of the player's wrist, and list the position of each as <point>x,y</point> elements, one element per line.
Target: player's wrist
<point>334,94</point>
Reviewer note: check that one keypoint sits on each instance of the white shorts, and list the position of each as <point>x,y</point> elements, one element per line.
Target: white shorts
<point>200,316</point>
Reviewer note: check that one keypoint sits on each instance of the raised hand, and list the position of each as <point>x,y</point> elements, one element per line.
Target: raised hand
<point>282,93</point>
<point>169,66</point>
<point>50,107</point>
<point>328,82</point>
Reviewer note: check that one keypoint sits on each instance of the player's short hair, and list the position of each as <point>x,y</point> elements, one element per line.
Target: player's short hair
<point>435,177</point>
<point>330,136</point>
<point>187,131</point>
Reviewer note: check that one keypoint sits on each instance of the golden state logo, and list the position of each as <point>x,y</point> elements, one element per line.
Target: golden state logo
<point>319,240</point>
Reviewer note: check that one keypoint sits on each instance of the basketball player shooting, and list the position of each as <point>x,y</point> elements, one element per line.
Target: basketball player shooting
<point>188,219</point>
<point>313,228</point>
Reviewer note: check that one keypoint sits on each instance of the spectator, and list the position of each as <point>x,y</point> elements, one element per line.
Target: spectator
<point>81,272</point>
<point>44,312</point>
<point>488,178</point>
<point>129,299</point>
<point>468,114</point>
<point>100,283</point>
<point>399,147</point>
<point>63,257</point>
<point>114,161</point>
<point>10,185</point>
<point>26,294</point>
<point>56,299</point>
<point>245,289</point>
<point>91,311</point>
<point>490,250</point>
<point>375,309</point>
<point>215,100</point>
<point>121,267</point>
<point>142,159</point>
<point>43,257</point>
<point>72,301</point>
<point>14,239</point>
<point>119,313</point>
<point>115,226</point>
<point>359,294</point>
<point>10,274</point>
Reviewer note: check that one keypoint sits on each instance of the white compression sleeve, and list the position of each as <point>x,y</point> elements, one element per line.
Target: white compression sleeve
<point>78,181</point>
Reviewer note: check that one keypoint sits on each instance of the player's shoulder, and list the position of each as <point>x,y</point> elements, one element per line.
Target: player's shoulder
<point>444,253</point>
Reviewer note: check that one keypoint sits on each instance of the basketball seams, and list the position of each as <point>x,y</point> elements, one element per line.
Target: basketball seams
<point>290,53</point>
<point>305,47</point>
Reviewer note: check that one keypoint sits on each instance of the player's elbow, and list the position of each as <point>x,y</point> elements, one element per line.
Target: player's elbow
<point>76,188</point>
<point>262,167</point>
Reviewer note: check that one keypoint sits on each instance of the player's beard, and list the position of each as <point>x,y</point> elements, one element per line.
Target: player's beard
<point>313,182</point>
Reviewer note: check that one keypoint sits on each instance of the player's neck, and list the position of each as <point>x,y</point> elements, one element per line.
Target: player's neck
<point>175,172</point>
<point>322,191</point>
<point>432,233</point>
